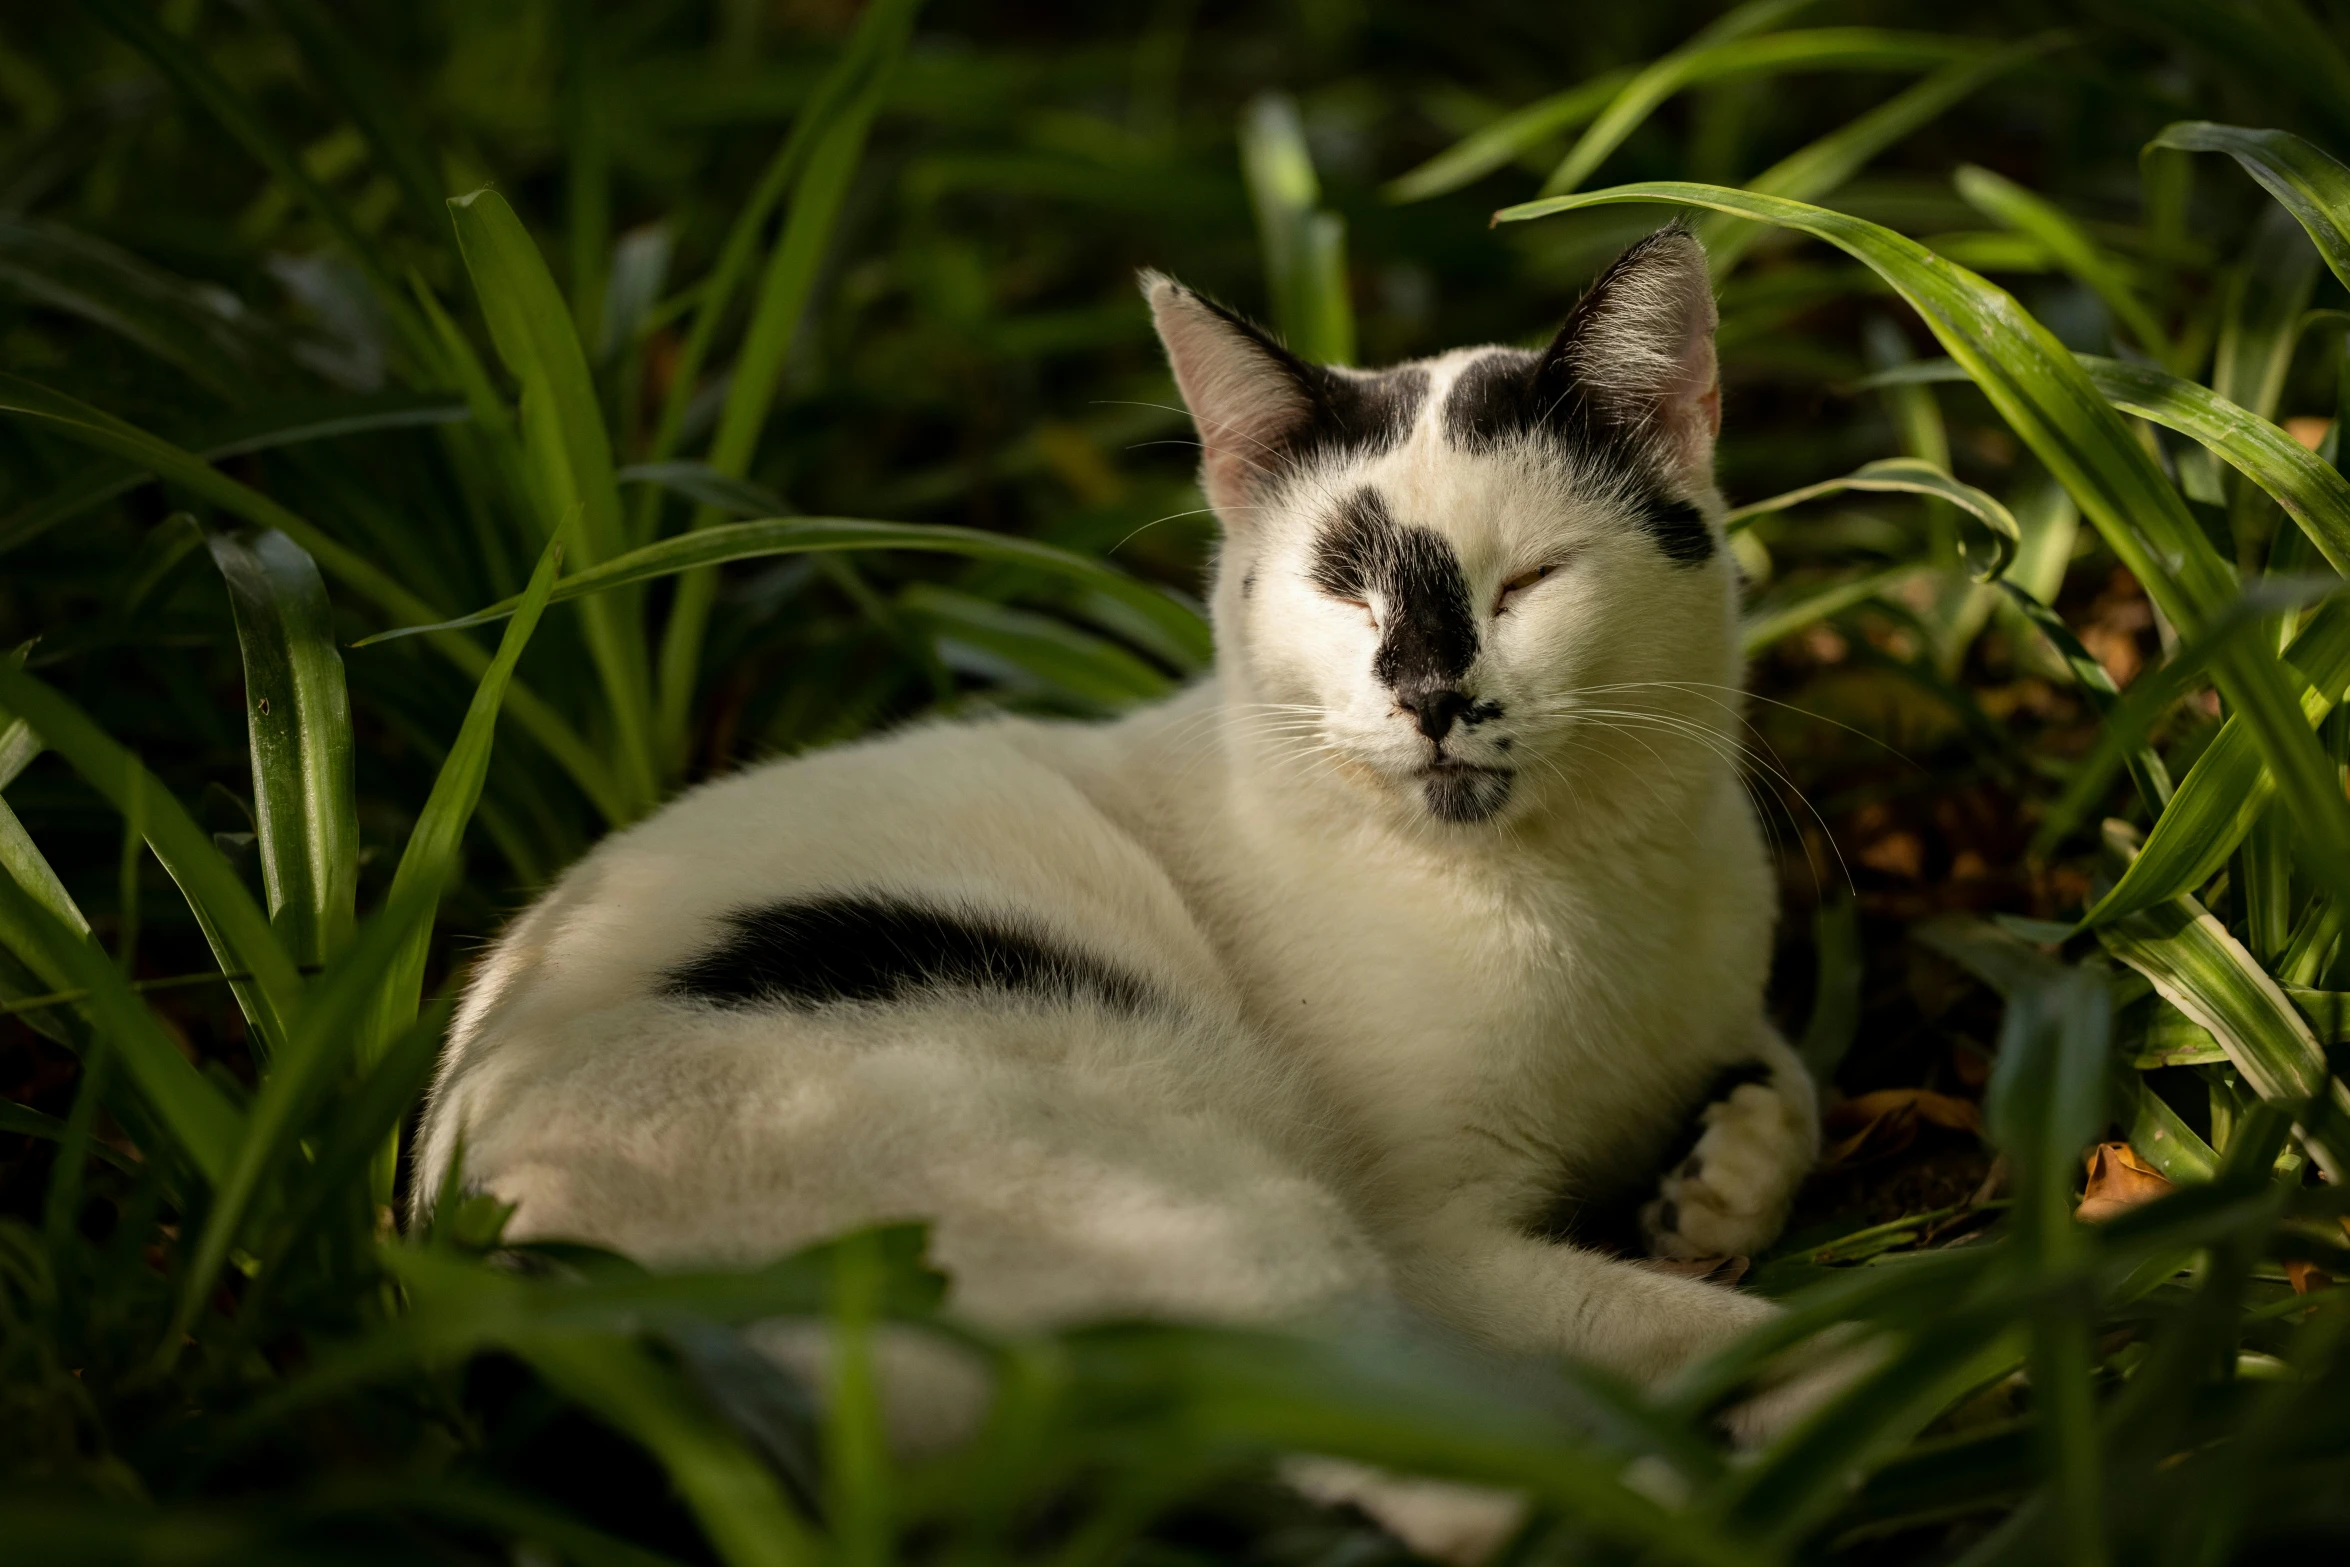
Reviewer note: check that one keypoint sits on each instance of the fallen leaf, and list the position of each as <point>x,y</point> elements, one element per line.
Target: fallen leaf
<point>2308,1278</point>
<point>2118,1180</point>
<point>2308,429</point>
<point>1881,1124</point>
<point>1960,1115</point>
<point>1896,854</point>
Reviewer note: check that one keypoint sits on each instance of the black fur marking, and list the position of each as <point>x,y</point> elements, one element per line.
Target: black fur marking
<point>1351,411</point>
<point>1510,395</point>
<point>852,948</point>
<point>1428,630</point>
<point>1680,531</point>
<point>1465,794</point>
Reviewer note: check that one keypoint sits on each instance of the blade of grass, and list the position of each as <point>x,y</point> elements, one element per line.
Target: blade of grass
<point>359,90</point>
<point>2208,975</point>
<point>1820,168</point>
<point>835,150</point>
<point>2045,1102</point>
<point>1489,147</point>
<point>1771,623</point>
<point>1709,59</point>
<point>299,718</point>
<point>570,460</point>
<point>187,70</point>
<point>2049,402</point>
<point>880,35</point>
<point>432,855</point>
<point>806,535</point>
<point>323,1046</point>
<point>233,924</point>
<point>1304,246</point>
<point>2147,771</point>
<point>206,1127</point>
<point>80,422</point>
<point>1090,672</point>
<point>2311,184</point>
<point>2127,721</point>
<point>2309,488</point>
<point>731,1494</point>
<point>2011,206</point>
<point>1912,476</point>
<point>262,430</point>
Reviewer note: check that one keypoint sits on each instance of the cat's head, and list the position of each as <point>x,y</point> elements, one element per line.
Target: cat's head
<point>1471,584</point>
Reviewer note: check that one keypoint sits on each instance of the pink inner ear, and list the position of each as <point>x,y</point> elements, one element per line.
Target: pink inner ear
<point>1243,402</point>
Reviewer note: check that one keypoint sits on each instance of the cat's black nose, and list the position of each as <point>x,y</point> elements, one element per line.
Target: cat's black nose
<point>1434,710</point>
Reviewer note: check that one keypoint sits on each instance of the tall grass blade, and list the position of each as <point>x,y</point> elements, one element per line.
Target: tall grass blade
<point>202,1123</point>
<point>835,149</point>
<point>232,922</point>
<point>323,1047</point>
<point>360,90</point>
<point>1304,246</point>
<point>1987,553</point>
<point>299,718</point>
<point>2207,974</point>
<point>570,459</point>
<point>2312,184</point>
<point>194,76</point>
<point>1822,167</point>
<point>1482,151</point>
<point>431,858</point>
<point>2147,770</point>
<point>806,535</point>
<point>263,429</point>
<point>2011,206</point>
<point>2311,490</point>
<point>2049,402</point>
<point>1705,60</point>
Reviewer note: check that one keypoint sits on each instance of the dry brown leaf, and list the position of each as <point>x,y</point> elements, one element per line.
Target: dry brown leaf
<point>2308,1278</point>
<point>1960,1115</point>
<point>2308,429</point>
<point>2118,1180</point>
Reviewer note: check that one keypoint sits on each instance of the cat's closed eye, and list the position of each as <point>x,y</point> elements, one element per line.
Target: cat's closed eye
<point>1520,583</point>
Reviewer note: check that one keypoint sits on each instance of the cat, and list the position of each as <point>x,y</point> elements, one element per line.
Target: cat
<point>1369,972</point>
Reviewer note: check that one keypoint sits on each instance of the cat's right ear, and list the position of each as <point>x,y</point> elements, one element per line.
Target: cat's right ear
<point>1249,397</point>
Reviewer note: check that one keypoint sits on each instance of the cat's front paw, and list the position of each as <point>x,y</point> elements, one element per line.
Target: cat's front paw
<point>1731,1194</point>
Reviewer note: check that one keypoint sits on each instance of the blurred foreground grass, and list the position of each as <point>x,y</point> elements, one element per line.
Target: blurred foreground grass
<point>775,373</point>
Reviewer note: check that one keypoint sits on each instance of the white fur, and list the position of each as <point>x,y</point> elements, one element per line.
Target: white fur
<point>1394,1037</point>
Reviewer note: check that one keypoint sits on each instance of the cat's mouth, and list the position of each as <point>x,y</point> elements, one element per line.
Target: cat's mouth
<point>1458,791</point>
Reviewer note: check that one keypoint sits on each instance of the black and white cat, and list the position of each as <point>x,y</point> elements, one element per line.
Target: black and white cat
<point>1361,972</point>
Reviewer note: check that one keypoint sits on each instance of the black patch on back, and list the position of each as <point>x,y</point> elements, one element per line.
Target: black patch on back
<point>1362,412</point>
<point>1428,639</point>
<point>822,951</point>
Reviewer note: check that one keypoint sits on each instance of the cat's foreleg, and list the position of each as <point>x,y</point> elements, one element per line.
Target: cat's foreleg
<point>1523,1294</point>
<point>1757,1137</point>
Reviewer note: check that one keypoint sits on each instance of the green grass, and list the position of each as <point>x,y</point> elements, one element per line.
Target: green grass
<point>518,412</point>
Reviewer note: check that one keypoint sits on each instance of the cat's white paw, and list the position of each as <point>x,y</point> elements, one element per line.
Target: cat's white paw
<point>1729,1197</point>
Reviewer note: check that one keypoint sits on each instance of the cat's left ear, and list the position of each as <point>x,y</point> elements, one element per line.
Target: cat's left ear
<point>1639,348</point>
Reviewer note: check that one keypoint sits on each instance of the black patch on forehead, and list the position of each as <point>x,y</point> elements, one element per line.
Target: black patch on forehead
<point>1495,399</point>
<point>1510,395</point>
<point>823,951</point>
<point>1350,412</point>
<point>1428,625</point>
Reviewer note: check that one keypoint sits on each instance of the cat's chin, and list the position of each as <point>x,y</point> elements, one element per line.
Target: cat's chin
<point>1459,792</point>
